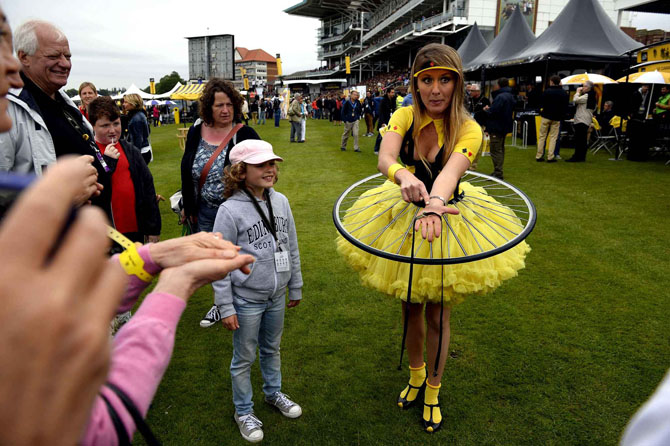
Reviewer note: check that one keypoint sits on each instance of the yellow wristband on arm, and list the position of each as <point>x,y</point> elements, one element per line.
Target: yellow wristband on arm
<point>130,259</point>
<point>392,171</point>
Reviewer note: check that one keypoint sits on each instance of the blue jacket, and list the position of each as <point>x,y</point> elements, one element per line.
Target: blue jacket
<point>351,111</point>
<point>138,130</point>
<point>378,102</point>
<point>500,114</point>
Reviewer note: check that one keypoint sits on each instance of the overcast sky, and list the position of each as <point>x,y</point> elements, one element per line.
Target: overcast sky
<point>119,42</point>
<point>116,43</point>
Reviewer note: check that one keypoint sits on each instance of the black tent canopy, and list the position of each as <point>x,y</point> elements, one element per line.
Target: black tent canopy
<point>473,45</point>
<point>514,37</point>
<point>582,31</point>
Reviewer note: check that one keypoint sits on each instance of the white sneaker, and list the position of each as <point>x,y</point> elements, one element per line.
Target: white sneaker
<point>250,427</point>
<point>212,317</point>
<point>282,402</point>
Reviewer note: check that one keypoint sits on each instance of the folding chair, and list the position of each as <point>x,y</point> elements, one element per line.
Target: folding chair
<point>607,142</point>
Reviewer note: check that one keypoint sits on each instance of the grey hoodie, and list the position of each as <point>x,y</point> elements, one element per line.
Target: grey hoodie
<point>239,222</point>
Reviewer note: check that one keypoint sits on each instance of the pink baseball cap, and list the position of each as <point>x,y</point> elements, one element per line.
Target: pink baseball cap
<point>253,151</point>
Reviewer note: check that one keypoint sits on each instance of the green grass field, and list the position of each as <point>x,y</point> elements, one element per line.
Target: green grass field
<point>563,354</point>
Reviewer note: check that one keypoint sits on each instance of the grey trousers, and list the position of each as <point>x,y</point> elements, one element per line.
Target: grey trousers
<point>296,130</point>
<point>350,127</point>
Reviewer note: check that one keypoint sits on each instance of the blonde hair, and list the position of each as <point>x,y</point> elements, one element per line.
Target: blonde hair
<point>233,178</point>
<point>135,100</point>
<point>455,115</point>
<point>89,85</point>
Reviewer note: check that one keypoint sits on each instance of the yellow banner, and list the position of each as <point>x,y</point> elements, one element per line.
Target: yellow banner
<point>347,63</point>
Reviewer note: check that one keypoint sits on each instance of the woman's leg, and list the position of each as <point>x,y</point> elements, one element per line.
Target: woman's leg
<point>432,343</point>
<point>416,334</point>
<point>432,416</point>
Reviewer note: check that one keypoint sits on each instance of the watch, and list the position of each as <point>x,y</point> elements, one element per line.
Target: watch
<point>444,202</point>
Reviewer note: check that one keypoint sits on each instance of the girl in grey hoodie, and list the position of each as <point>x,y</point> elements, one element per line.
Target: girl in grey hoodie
<point>259,220</point>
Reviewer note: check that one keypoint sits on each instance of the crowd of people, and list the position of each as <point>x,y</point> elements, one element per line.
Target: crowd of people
<point>62,379</point>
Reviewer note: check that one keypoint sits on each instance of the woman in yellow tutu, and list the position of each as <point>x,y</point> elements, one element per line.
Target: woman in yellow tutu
<point>436,139</point>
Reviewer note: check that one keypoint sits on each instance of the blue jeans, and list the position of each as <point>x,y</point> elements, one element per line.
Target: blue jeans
<point>261,118</point>
<point>277,116</point>
<point>261,325</point>
<point>206,217</point>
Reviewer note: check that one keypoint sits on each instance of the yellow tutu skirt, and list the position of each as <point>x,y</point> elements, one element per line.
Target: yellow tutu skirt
<point>373,211</point>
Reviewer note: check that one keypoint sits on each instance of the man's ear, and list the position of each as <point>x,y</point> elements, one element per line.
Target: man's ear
<point>23,58</point>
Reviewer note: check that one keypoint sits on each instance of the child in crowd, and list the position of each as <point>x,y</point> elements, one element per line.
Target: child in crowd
<point>134,207</point>
<point>259,220</point>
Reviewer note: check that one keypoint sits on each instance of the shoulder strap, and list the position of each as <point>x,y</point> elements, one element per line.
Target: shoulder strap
<point>134,412</point>
<point>217,152</point>
<point>121,432</point>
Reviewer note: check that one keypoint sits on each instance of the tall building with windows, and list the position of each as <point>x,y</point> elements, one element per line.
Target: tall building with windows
<point>379,35</point>
<point>261,67</point>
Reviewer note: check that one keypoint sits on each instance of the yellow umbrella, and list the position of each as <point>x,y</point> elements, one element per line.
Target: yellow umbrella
<point>648,77</point>
<point>578,79</point>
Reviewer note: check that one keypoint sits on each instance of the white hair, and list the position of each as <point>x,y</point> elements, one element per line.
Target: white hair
<point>25,36</point>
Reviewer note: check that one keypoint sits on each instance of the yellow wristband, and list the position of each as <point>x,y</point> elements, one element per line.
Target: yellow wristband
<point>130,259</point>
<point>392,171</point>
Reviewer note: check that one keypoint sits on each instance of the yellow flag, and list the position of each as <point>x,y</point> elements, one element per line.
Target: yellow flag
<point>278,65</point>
<point>347,63</point>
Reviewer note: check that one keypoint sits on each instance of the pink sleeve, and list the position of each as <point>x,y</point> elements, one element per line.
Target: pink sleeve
<point>135,284</point>
<point>140,355</point>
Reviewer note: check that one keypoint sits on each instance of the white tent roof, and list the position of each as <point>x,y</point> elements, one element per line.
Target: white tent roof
<point>169,93</point>
<point>134,89</point>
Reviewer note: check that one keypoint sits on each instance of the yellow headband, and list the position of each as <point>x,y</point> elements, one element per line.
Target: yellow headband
<point>436,68</point>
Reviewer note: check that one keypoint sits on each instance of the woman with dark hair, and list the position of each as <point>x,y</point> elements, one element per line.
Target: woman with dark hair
<point>87,92</point>
<point>138,126</point>
<point>208,144</point>
<point>436,139</point>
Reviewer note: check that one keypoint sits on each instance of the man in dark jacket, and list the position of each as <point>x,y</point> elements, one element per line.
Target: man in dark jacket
<point>351,114</point>
<point>47,124</point>
<point>499,123</point>
<point>554,104</point>
<point>386,109</point>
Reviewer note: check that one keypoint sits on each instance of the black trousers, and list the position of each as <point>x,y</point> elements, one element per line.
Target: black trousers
<point>580,142</point>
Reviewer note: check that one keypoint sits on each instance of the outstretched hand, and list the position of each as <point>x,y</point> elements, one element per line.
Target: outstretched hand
<point>202,245</point>
<point>430,223</point>
<point>182,281</point>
